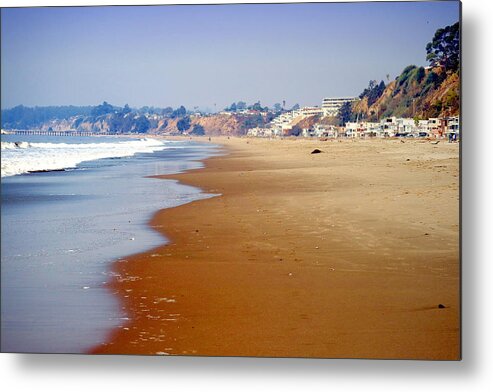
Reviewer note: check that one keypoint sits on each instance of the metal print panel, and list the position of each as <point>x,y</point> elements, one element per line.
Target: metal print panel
<point>265,180</point>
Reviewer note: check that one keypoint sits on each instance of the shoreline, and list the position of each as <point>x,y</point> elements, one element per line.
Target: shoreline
<point>79,221</point>
<point>290,262</point>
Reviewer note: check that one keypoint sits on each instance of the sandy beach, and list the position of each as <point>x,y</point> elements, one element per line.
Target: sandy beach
<point>343,254</point>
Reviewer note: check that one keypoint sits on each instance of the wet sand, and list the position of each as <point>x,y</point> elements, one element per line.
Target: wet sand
<point>343,254</point>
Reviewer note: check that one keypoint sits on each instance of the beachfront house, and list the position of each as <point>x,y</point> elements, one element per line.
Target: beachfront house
<point>407,125</point>
<point>262,132</point>
<point>434,127</point>
<point>307,132</point>
<point>353,129</point>
<point>398,126</point>
<point>253,132</point>
<point>321,130</point>
<point>389,126</point>
<point>453,125</point>
<point>422,129</point>
<point>372,129</point>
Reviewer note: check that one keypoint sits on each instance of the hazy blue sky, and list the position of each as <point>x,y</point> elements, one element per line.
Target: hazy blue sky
<point>202,55</point>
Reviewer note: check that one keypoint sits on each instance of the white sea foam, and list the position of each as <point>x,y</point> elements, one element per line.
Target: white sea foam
<point>24,157</point>
<point>15,145</point>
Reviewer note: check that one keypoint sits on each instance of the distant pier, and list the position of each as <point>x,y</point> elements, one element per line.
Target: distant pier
<point>52,133</point>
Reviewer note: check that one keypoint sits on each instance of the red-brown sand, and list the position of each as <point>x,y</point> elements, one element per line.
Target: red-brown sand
<point>343,254</point>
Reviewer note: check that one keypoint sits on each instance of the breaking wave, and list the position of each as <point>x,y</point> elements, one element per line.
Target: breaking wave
<point>25,157</point>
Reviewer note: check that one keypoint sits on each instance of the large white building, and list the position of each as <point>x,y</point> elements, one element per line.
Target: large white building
<point>331,106</point>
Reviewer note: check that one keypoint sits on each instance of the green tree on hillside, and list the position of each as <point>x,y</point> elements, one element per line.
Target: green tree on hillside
<point>345,113</point>
<point>104,108</point>
<point>256,106</point>
<point>180,112</point>
<point>241,105</point>
<point>420,74</point>
<point>231,108</point>
<point>373,91</point>
<point>141,124</point>
<point>126,109</point>
<point>183,124</point>
<point>167,111</point>
<point>252,121</point>
<point>444,49</point>
<point>198,130</point>
<point>371,85</point>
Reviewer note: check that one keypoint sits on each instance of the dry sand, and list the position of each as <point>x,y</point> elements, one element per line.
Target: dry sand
<point>343,254</point>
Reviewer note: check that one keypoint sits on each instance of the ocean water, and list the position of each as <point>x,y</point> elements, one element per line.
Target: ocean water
<point>61,230</point>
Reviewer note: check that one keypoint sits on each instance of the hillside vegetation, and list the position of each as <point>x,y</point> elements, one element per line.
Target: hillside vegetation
<point>416,92</point>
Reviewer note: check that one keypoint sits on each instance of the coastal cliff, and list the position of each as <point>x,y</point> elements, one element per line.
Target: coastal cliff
<point>213,125</point>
